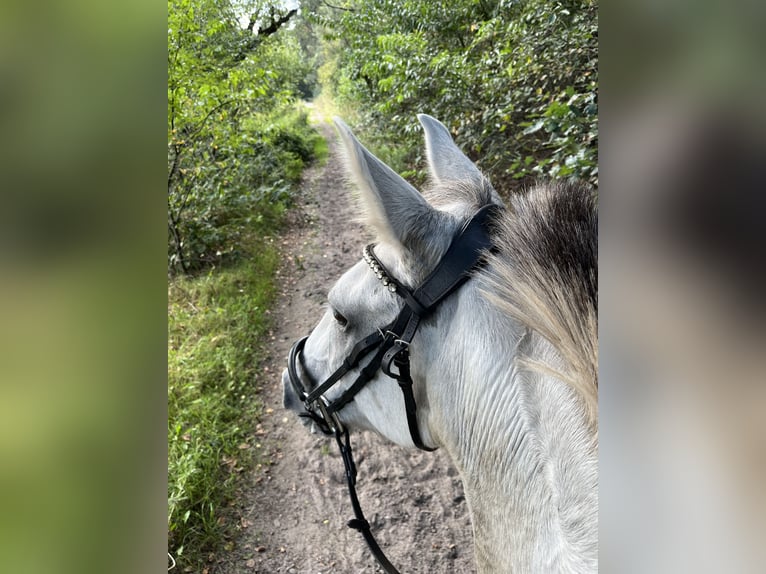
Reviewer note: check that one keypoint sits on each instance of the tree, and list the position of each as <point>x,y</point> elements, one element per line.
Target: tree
<point>233,141</point>
<point>516,82</point>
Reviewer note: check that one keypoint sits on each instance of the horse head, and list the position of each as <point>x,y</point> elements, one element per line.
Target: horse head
<point>412,237</point>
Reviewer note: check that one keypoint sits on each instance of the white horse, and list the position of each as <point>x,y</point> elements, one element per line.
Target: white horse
<point>504,370</point>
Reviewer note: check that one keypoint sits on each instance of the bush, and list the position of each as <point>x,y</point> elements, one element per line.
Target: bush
<point>516,82</point>
<point>236,144</point>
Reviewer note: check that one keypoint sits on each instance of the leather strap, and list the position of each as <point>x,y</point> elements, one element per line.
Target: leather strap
<point>359,522</point>
<point>357,353</point>
<point>402,362</point>
<point>367,373</point>
<point>461,258</point>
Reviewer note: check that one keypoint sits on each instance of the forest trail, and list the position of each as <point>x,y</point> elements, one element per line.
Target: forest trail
<point>293,509</point>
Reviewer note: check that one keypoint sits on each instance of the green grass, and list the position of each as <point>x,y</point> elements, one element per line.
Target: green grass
<point>216,326</point>
<point>321,150</point>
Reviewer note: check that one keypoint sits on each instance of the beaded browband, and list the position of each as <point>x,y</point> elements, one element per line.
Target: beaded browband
<point>377,268</point>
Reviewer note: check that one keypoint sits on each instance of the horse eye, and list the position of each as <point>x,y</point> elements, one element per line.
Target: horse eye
<point>342,321</point>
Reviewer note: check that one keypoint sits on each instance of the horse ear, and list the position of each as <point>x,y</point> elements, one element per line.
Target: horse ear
<point>395,210</point>
<point>445,160</point>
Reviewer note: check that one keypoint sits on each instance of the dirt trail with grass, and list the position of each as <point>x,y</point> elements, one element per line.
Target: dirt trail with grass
<point>292,512</point>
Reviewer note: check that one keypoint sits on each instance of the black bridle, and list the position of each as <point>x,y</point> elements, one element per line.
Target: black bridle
<point>389,346</point>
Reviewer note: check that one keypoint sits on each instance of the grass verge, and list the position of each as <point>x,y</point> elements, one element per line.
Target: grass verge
<point>216,323</point>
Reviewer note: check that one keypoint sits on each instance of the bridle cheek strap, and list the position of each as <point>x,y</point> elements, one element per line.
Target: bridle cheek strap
<point>462,257</point>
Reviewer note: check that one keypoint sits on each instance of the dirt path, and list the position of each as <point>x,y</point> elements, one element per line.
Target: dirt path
<point>293,514</point>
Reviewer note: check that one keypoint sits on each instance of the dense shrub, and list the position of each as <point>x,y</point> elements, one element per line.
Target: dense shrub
<point>235,140</point>
<point>516,82</point>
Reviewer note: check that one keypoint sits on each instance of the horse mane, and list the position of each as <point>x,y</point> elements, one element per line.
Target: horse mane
<point>545,275</point>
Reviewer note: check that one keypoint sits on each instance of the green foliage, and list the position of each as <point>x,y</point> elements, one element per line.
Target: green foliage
<point>516,82</point>
<point>237,144</point>
<point>235,139</point>
<point>216,326</point>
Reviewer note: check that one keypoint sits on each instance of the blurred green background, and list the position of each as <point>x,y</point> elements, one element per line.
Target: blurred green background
<point>82,287</point>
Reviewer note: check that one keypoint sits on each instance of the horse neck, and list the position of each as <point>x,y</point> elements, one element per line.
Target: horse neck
<point>522,444</point>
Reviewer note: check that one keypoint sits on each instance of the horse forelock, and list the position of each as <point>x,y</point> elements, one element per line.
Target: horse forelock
<point>544,274</point>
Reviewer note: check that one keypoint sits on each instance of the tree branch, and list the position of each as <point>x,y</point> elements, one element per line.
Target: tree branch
<point>338,7</point>
<point>252,42</point>
<point>173,223</point>
<point>201,123</point>
<point>178,245</point>
<point>277,23</point>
